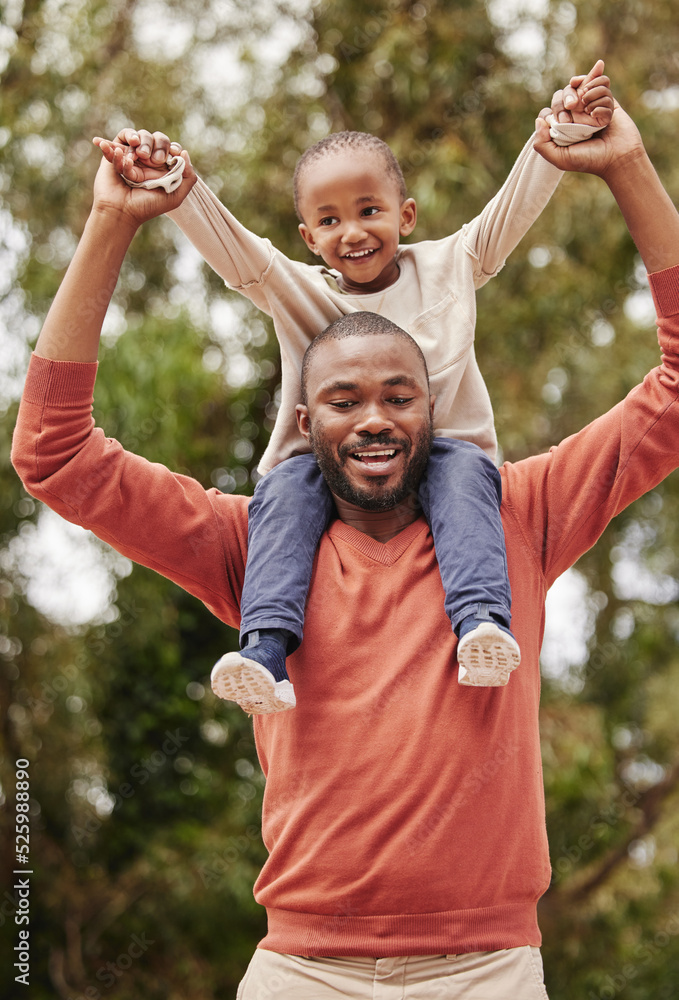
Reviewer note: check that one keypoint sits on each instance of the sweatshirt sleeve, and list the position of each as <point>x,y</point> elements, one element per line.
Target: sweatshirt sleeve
<point>492,235</point>
<point>562,501</point>
<point>293,293</point>
<point>165,521</point>
<point>242,259</point>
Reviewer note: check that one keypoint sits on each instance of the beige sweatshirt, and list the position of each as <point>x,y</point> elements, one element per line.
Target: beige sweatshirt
<point>434,297</point>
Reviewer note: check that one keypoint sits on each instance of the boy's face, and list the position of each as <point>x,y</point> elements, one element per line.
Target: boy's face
<point>353,217</point>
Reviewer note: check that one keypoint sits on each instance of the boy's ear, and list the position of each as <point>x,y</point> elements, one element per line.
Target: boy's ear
<point>305,233</point>
<point>408,217</point>
<point>303,423</point>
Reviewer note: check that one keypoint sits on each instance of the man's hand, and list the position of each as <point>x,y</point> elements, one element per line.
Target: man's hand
<point>136,205</point>
<point>131,155</point>
<point>603,154</point>
<point>587,100</point>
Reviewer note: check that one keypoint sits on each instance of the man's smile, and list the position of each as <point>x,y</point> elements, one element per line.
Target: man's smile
<point>377,459</point>
<point>374,459</point>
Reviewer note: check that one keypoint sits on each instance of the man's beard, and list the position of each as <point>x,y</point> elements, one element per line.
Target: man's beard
<point>373,496</point>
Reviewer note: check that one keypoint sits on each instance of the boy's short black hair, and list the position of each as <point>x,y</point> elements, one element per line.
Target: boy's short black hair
<point>348,140</point>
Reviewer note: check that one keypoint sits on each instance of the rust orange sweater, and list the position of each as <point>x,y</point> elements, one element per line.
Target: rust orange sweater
<point>403,814</point>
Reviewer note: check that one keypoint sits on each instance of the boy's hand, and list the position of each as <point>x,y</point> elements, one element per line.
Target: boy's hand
<point>139,155</point>
<point>604,152</point>
<point>587,100</point>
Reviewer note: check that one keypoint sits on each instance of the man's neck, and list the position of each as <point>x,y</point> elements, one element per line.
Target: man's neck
<point>382,525</point>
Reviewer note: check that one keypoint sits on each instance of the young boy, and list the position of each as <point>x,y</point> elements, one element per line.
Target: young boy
<point>353,207</point>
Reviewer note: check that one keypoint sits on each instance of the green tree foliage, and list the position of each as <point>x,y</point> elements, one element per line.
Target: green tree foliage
<point>145,792</point>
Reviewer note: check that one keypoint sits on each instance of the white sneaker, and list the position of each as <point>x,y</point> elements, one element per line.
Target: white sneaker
<point>252,686</point>
<point>486,656</point>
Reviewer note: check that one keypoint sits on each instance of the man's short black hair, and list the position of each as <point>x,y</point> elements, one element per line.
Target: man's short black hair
<point>348,140</point>
<point>355,324</point>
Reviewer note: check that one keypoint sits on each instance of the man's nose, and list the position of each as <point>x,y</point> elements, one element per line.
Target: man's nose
<point>373,419</point>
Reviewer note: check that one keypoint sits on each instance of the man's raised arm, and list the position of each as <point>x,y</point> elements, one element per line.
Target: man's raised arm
<point>564,499</point>
<point>618,156</point>
<point>168,522</point>
<point>72,328</point>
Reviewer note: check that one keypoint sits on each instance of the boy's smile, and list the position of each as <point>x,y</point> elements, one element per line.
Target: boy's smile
<point>354,217</point>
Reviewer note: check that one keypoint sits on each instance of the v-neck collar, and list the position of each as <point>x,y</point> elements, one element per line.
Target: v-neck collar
<point>386,553</point>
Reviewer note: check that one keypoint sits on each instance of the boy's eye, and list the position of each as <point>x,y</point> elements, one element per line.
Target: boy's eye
<point>329,220</point>
<point>373,210</point>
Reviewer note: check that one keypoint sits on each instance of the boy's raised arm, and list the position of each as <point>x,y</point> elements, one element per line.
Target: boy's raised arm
<point>239,257</point>
<point>495,232</point>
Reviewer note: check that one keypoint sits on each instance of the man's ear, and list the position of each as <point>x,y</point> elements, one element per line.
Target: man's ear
<point>303,421</point>
<point>408,217</point>
<point>432,400</point>
<point>305,233</point>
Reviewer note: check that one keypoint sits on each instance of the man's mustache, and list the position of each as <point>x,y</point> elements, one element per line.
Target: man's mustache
<point>383,440</point>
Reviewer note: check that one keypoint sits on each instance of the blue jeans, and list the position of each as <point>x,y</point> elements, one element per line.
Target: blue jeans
<point>460,495</point>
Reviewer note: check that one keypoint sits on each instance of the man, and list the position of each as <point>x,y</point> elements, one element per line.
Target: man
<point>416,835</point>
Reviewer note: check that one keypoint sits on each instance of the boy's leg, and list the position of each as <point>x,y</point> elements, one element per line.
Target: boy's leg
<point>287,515</point>
<point>461,496</point>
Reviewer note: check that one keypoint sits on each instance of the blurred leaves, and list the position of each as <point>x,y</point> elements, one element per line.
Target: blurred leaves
<point>145,792</point>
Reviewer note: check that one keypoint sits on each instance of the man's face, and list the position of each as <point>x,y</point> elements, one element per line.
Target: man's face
<point>354,217</point>
<point>369,419</point>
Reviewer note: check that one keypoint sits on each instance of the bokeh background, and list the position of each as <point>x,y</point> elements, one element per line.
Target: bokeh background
<point>145,791</point>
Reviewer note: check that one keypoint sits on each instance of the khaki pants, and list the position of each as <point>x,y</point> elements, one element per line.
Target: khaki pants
<point>512,974</point>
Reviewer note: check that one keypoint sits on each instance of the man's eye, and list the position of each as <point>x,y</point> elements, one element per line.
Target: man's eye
<point>401,400</point>
<point>343,404</point>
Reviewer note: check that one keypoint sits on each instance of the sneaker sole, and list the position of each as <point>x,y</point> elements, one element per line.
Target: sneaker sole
<point>486,657</point>
<point>235,678</point>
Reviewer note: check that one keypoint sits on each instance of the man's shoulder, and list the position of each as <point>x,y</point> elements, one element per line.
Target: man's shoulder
<point>230,536</point>
<point>523,477</point>
<point>233,507</point>
<point>229,527</point>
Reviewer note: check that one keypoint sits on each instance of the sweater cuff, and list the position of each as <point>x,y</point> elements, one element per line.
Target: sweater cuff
<point>567,133</point>
<point>665,290</point>
<point>62,384</point>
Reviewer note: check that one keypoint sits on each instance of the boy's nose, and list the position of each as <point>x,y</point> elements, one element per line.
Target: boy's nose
<point>353,232</point>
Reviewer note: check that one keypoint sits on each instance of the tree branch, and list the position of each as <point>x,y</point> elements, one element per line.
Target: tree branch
<point>650,804</point>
